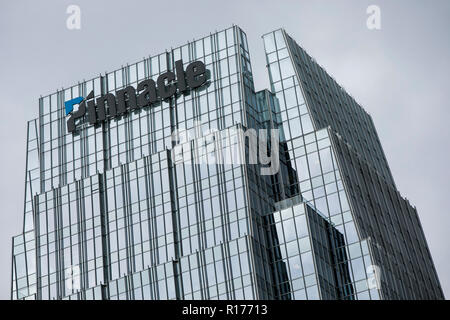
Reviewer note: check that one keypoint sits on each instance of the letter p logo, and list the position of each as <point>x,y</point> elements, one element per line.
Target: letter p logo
<point>69,104</point>
<point>76,114</point>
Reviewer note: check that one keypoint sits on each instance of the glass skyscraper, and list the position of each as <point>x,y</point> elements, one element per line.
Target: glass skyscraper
<point>122,210</point>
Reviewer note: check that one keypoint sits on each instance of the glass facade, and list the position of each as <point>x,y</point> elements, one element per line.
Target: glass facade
<point>122,210</point>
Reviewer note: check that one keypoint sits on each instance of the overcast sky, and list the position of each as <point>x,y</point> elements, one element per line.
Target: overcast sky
<point>399,74</point>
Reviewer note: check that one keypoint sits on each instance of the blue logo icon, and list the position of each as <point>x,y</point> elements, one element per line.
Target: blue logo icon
<point>69,104</point>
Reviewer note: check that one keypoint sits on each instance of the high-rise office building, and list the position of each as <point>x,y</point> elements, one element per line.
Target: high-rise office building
<point>117,206</point>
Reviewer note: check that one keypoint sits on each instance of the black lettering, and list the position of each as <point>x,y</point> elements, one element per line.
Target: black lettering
<point>148,96</point>
<point>126,99</point>
<point>195,74</point>
<point>181,80</point>
<point>101,109</point>
<point>92,114</point>
<point>78,114</point>
<point>166,91</point>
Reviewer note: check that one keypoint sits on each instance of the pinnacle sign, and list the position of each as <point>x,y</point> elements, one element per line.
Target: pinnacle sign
<point>147,93</point>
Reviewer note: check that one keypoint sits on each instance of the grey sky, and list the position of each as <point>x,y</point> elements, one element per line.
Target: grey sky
<point>400,75</point>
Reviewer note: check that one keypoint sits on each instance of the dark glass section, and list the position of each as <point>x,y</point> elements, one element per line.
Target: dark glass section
<point>392,224</point>
<point>382,238</point>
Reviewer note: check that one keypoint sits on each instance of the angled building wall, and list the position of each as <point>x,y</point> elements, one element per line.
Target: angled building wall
<point>366,206</point>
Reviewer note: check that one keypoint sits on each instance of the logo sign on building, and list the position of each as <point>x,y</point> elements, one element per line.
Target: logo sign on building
<point>148,92</point>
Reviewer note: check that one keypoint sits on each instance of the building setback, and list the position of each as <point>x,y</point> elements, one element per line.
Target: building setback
<point>118,209</point>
